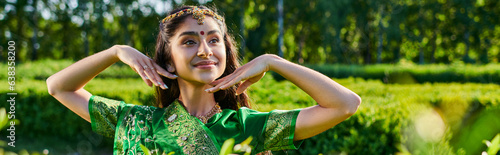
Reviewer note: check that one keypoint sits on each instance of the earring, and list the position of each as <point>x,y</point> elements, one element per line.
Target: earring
<point>170,68</point>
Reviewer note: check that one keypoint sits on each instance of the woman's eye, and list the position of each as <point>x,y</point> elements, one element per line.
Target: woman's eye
<point>214,41</point>
<point>189,42</point>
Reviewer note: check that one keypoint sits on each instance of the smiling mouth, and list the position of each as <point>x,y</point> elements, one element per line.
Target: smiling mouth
<point>205,64</point>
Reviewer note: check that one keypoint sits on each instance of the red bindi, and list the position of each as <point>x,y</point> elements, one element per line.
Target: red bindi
<point>202,33</point>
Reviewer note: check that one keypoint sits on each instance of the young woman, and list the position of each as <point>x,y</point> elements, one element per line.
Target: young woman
<point>200,91</point>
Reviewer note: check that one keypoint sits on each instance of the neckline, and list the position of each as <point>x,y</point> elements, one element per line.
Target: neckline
<point>178,104</point>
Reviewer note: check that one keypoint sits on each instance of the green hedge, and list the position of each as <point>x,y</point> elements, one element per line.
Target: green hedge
<point>385,121</point>
<point>413,73</point>
<point>42,69</point>
<point>45,123</point>
<point>401,73</point>
<point>378,127</point>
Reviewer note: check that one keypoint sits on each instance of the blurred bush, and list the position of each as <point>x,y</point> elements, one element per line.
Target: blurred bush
<point>404,74</point>
<point>46,123</point>
<point>384,124</point>
<point>42,69</point>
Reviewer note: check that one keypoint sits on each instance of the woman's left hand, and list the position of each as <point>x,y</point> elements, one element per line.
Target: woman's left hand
<point>251,72</point>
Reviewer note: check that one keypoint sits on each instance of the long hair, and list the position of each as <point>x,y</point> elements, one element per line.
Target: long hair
<point>227,99</point>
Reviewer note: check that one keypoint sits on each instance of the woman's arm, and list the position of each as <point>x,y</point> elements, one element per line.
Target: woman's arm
<point>335,102</point>
<point>67,85</point>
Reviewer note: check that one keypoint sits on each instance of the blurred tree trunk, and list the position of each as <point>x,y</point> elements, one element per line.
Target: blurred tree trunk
<point>397,54</point>
<point>339,50</point>
<point>365,44</point>
<point>65,26</point>
<point>421,35</point>
<point>466,57</point>
<point>380,43</point>
<point>19,37</point>
<point>367,56</point>
<point>433,50</point>
<point>380,36</point>
<point>300,59</point>
<point>34,26</point>
<point>99,34</point>
<point>86,38</point>
<point>124,24</point>
<point>421,55</point>
<point>280,28</point>
<point>483,57</point>
<point>242,29</point>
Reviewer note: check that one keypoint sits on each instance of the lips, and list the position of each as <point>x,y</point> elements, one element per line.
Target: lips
<point>204,64</point>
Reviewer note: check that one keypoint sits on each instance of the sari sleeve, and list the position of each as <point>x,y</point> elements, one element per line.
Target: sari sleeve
<point>279,130</point>
<point>104,114</point>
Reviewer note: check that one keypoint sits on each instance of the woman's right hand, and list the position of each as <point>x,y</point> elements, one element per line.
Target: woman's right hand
<point>143,65</point>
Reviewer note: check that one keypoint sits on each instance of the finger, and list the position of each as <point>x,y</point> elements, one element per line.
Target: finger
<point>243,87</point>
<point>221,82</point>
<point>236,77</point>
<point>140,70</point>
<point>247,83</point>
<point>212,90</point>
<point>163,72</point>
<point>159,79</point>
<point>231,83</point>
<point>216,82</point>
<point>148,71</point>
<point>228,78</point>
<point>143,79</point>
<point>151,73</point>
<point>151,77</point>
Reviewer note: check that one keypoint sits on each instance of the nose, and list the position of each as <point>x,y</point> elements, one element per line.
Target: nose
<point>204,50</point>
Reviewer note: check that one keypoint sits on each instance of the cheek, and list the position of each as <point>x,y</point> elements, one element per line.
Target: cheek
<point>222,59</point>
<point>180,56</point>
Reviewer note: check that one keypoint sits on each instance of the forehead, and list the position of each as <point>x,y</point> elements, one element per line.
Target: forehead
<point>191,24</point>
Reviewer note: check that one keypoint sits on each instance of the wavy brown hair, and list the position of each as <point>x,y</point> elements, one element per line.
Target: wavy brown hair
<point>227,99</point>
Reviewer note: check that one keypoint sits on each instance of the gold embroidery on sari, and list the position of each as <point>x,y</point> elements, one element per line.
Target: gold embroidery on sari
<point>107,110</point>
<point>278,130</point>
<point>133,126</point>
<point>191,136</point>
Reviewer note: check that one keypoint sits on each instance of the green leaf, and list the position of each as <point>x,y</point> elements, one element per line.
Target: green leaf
<point>3,118</point>
<point>247,141</point>
<point>145,150</point>
<point>495,145</point>
<point>227,147</point>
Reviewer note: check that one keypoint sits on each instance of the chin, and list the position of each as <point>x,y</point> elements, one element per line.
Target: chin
<point>207,79</point>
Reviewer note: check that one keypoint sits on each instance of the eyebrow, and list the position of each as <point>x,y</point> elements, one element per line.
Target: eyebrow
<point>213,31</point>
<point>193,33</point>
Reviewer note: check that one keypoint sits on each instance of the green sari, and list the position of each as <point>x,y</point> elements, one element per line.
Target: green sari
<point>173,129</point>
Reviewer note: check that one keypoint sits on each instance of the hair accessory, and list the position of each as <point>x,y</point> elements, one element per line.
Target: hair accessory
<point>198,14</point>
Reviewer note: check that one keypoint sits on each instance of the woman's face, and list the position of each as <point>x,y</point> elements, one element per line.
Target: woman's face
<point>198,51</point>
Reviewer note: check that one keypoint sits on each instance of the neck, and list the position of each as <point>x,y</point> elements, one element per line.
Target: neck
<point>194,97</point>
